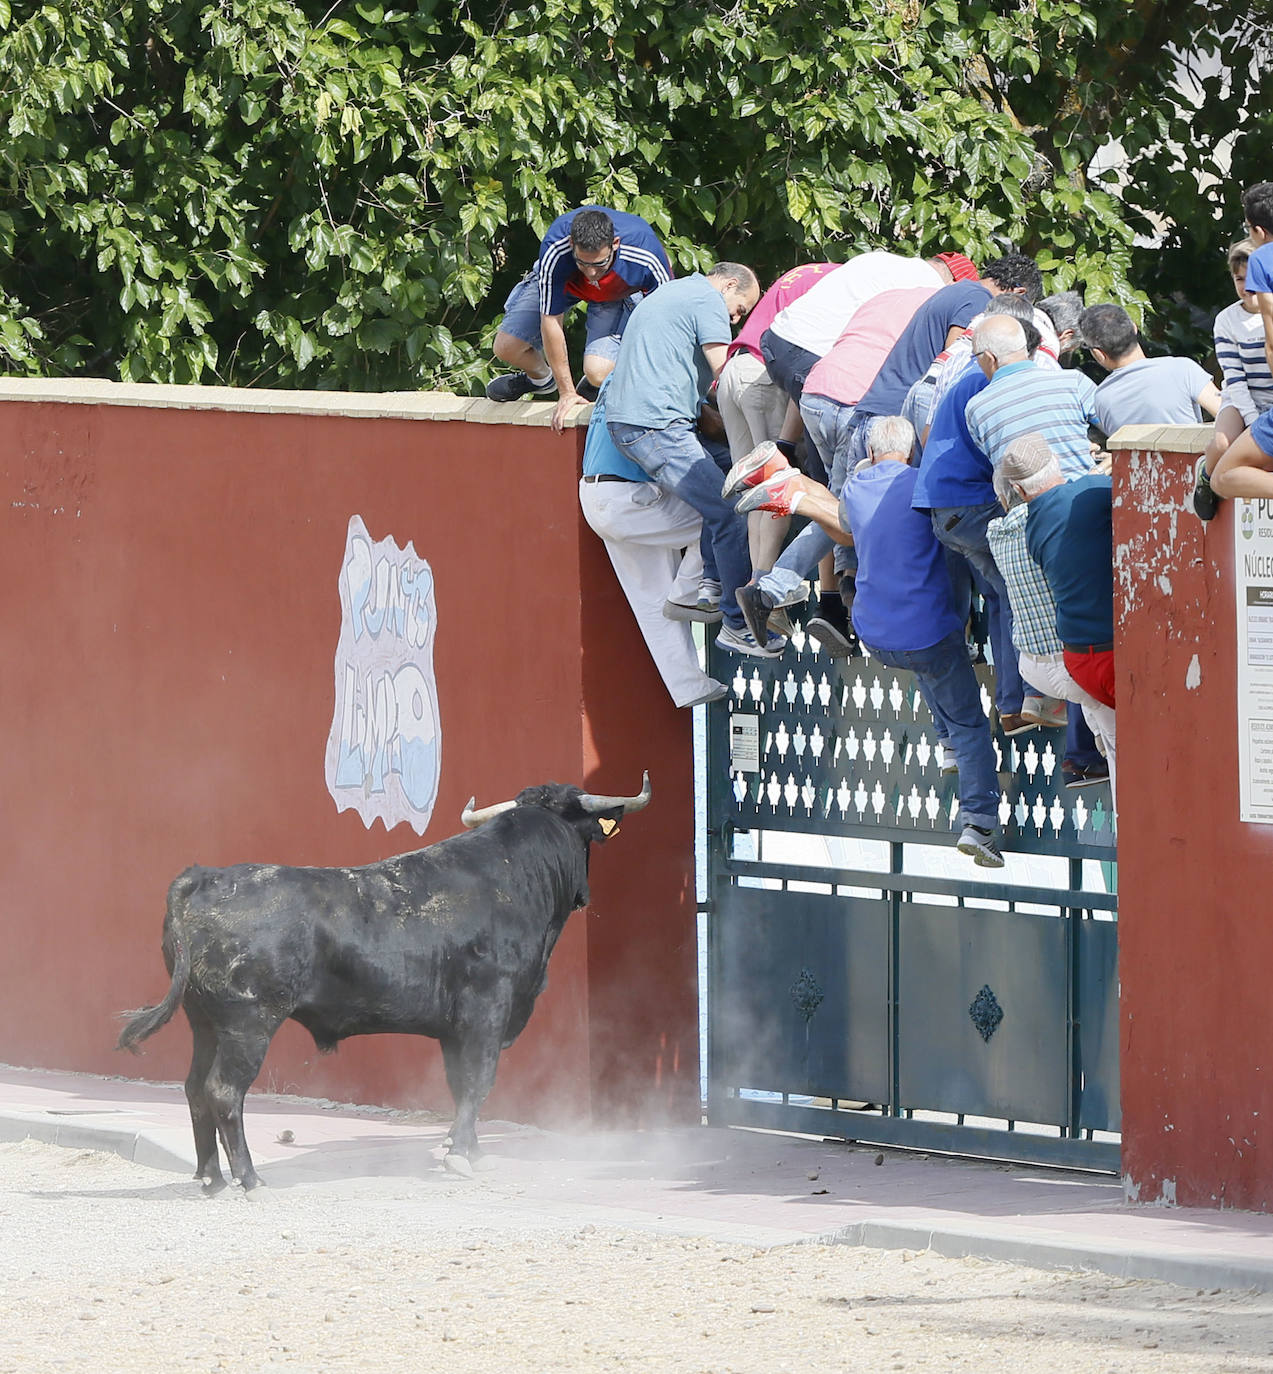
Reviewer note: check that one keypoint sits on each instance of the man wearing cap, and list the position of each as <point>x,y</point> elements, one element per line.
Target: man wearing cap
<point>1069,533</point>
<point>1028,464</point>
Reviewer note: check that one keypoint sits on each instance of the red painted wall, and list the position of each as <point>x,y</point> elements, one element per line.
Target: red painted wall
<point>169,607</point>
<point>1195,941</point>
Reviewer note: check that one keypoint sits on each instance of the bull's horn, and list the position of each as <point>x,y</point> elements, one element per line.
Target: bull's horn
<point>473,818</point>
<point>590,801</point>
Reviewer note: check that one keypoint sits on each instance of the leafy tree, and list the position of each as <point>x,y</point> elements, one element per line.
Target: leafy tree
<point>284,193</point>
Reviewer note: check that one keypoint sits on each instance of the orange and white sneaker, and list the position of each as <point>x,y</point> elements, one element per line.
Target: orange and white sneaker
<point>776,493</point>
<point>763,461</point>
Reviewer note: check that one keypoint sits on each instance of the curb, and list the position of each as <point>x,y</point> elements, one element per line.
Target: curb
<point>1050,1250</point>
<point>1036,1249</point>
<point>76,1133</point>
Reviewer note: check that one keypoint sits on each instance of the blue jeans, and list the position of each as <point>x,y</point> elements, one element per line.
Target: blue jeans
<point>951,692</point>
<point>675,459</point>
<point>831,429</point>
<point>603,327</point>
<point>963,529</point>
<point>789,364</point>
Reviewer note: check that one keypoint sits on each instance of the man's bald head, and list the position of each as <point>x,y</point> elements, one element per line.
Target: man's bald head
<point>1001,336</point>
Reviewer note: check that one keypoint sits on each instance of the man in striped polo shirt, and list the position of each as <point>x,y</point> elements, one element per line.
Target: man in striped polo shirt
<point>1024,399</point>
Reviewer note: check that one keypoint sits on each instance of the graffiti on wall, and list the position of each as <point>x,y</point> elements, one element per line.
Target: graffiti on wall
<point>384,751</point>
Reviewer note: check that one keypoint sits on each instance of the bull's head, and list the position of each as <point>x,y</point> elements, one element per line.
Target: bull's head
<point>598,814</point>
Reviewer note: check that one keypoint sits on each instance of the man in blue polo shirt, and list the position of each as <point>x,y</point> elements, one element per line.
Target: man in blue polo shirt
<point>605,258</point>
<point>903,613</point>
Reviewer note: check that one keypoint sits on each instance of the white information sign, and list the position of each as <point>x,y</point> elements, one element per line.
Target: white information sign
<point>1253,561</point>
<point>744,743</point>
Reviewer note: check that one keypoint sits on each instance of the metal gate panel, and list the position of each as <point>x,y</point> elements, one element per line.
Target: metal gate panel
<point>1001,1006</point>
<point>803,1001</point>
<point>1097,1018</point>
<point>980,995</point>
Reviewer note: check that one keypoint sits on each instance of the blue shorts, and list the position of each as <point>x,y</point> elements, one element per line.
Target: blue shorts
<point>603,326</point>
<point>1262,432</point>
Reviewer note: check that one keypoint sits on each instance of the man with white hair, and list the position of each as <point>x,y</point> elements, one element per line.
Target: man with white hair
<point>1022,399</point>
<point>903,612</point>
<point>956,490</point>
<point>1029,468</point>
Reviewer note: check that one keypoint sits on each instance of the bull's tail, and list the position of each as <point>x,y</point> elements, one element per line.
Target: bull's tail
<point>145,1021</point>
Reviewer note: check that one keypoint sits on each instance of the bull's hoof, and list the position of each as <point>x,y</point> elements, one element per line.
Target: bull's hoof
<point>212,1183</point>
<point>250,1182</point>
<point>459,1165</point>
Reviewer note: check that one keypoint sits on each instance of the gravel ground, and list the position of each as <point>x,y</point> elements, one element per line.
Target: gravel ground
<point>108,1266</point>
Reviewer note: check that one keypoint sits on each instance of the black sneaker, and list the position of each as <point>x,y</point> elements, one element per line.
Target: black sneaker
<point>755,605</point>
<point>1076,775</point>
<point>1205,501</point>
<point>587,390</point>
<point>516,385</point>
<point>831,628</point>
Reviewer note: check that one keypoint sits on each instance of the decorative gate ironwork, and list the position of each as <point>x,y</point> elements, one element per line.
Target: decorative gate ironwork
<point>876,999</point>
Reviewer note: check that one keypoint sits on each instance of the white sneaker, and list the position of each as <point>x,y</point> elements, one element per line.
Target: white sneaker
<point>1048,712</point>
<point>981,846</point>
<point>744,642</point>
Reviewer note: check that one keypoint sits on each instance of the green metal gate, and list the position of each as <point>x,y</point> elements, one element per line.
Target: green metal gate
<point>857,990</point>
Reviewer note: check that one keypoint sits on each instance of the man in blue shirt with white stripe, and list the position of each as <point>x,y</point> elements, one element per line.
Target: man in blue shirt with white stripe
<point>606,258</point>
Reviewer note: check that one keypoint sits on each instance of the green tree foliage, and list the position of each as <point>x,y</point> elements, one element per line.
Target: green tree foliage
<point>271,192</point>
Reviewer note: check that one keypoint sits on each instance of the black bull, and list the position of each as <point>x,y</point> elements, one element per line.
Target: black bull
<point>450,941</point>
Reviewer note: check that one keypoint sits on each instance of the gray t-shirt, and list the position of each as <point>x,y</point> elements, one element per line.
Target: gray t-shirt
<point>661,374</point>
<point>1154,391</point>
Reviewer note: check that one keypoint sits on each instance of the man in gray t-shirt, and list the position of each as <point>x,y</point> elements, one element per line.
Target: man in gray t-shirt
<point>673,348</point>
<point>1141,390</point>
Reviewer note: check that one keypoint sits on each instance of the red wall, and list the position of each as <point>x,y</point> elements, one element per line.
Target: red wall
<point>170,616</point>
<point>1195,941</point>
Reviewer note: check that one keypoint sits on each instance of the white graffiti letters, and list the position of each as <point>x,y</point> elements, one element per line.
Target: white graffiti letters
<point>384,591</point>
<point>385,747</point>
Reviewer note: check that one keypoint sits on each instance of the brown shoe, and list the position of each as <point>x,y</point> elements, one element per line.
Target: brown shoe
<point>1014,723</point>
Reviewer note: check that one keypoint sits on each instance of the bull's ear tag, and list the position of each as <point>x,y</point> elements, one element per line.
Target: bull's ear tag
<point>608,827</point>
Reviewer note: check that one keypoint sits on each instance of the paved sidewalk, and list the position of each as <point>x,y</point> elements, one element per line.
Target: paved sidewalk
<point>729,1185</point>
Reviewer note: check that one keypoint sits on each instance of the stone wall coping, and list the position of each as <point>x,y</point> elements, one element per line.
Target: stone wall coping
<point>356,405</point>
<point>1161,438</point>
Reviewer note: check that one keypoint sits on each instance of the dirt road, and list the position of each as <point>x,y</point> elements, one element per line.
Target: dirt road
<point>108,1266</point>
